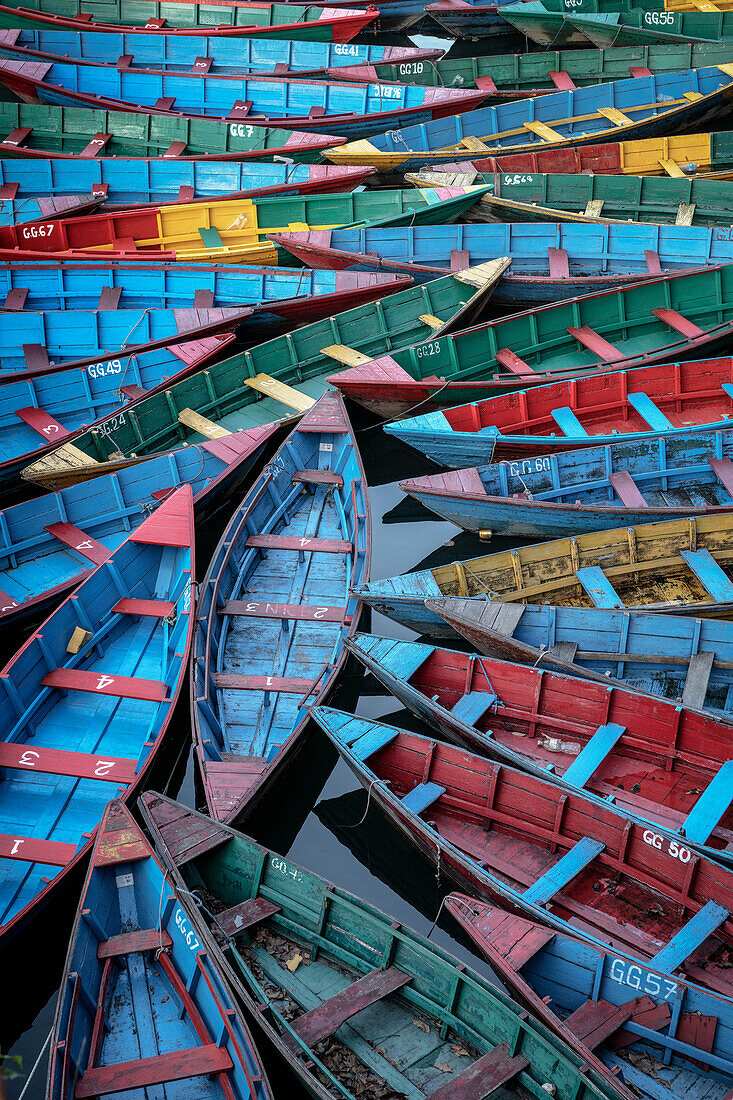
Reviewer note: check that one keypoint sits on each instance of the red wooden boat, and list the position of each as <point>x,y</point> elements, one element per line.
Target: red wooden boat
<point>577,864</point>
<point>341,24</point>
<point>660,761</point>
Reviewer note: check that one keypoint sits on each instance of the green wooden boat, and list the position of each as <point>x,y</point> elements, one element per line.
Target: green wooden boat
<point>235,17</point>
<point>536,197</point>
<point>271,381</point>
<point>605,23</point>
<point>516,75</point>
<point>660,321</point>
<point>357,1004</point>
<point>33,130</point>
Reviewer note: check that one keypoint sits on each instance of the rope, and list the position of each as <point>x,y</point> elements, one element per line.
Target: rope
<point>430,931</point>
<point>369,798</point>
<point>36,1064</point>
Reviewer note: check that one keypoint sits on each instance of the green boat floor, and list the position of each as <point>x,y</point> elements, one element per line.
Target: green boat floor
<point>389,1025</point>
<point>267,410</point>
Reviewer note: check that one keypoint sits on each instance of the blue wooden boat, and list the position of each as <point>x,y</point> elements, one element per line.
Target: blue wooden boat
<point>662,401</point>
<point>678,566</point>
<point>50,543</point>
<point>473,21</point>
<point>665,764</point>
<point>593,489</point>
<point>589,997</point>
<point>549,262</point>
<point>280,297</point>
<point>142,1005</point>
<point>547,853</point>
<point>16,210</point>
<point>46,398</point>
<point>191,53</point>
<point>325,107</point>
<point>648,106</point>
<point>660,655</point>
<point>126,182</point>
<point>275,608</point>
<point>87,701</point>
<point>407,1019</point>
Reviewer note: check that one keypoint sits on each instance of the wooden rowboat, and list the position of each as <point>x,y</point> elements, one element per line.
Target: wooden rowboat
<point>218,18</point>
<point>596,199</point>
<point>665,764</point>
<point>546,853</point>
<point>554,976</point>
<point>125,182</point>
<point>243,56</point>
<point>279,297</point>
<point>28,130</point>
<point>231,230</point>
<point>49,544</point>
<point>270,380</point>
<point>646,107</point>
<point>680,566</point>
<point>594,489</point>
<point>140,1002</point>
<point>88,700</point>
<point>643,651</point>
<point>44,404</point>
<point>368,985</point>
<point>275,610</point>
<point>327,107</point>
<point>660,319</point>
<point>600,409</point>
<point>631,24</point>
<point>599,256</point>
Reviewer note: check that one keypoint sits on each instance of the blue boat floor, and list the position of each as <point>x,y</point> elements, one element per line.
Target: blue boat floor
<point>256,646</point>
<point>55,566</point>
<point>122,1041</point>
<point>61,808</point>
<point>408,1041</point>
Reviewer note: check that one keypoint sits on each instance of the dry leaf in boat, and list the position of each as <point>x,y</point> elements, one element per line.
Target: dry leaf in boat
<point>422,1025</point>
<point>444,1067</point>
<point>294,963</point>
<point>459,1050</point>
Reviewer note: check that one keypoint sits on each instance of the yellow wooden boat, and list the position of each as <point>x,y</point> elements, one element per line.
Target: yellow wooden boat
<point>683,566</point>
<point>236,230</point>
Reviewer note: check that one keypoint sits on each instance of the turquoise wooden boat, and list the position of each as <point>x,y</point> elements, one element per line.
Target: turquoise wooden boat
<point>548,853</point>
<point>661,401</point>
<point>275,609</point>
<point>140,1002</point>
<point>667,656</point>
<point>17,210</point>
<point>646,107</point>
<point>49,544</point>
<point>593,489</point>
<point>87,702</point>
<point>408,1017</point>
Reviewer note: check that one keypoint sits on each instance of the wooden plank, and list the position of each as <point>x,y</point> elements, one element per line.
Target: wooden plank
<point>158,1070</point>
<point>696,682</point>
<point>100,683</point>
<point>593,754</point>
<point>542,130</point>
<point>618,118</point>
<point>626,489</point>
<point>15,298</point>
<point>512,362</point>
<point>28,849</point>
<point>474,144</point>
<point>431,321</point>
<point>646,1013</point>
<point>36,358</point>
<point>472,706</point>
<point>421,797</point>
<point>292,612</point>
<point>245,915</point>
<point>326,415</point>
<point>42,422</point>
<point>649,412</point>
<point>653,263</point>
<point>568,422</point>
<point>559,266</point>
<point>483,1076</point>
<point>723,470</point>
<point>318,477</point>
<point>715,582</point>
<point>671,168</point>
<point>528,945</point>
<point>80,765</point>
<point>201,424</point>
<point>331,1014</point>
<point>685,213</point>
<point>593,340</point>
<point>595,1021</point>
<point>596,584</point>
<point>230,681</point>
<point>78,540</point>
<point>154,609</point>
<point>378,737</point>
<point>678,323</point>
<point>279,391</point>
<point>593,208</point>
<point>564,871</point>
<point>690,937</point>
<point>300,542</point>
<point>562,80</point>
<point>711,806</point>
<point>343,354</point>
<point>131,943</point>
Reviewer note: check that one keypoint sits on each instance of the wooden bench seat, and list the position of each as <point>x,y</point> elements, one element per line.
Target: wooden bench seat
<point>300,542</point>
<point>627,490</point>
<point>482,1077</point>
<point>28,849</point>
<point>231,681</point>
<point>101,683</point>
<point>318,477</point>
<point>153,609</point>
<point>158,1070</point>
<point>80,765</point>
<point>78,540</point>
<point>130,943</point>
<point>563,872</point>
<point>331,1014</point>
<point>244,915</point>
<point>42,422</point>
<point>295,612</point>
<point>593,340</point>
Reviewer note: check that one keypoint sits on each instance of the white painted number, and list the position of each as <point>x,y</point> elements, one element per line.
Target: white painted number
<point>29,231</point>
<point>104,681</point>
<point>517,178</point>
<point>188,933</point>
<point>239,129</point>
<point>659,18</point>
<point>636,977</point>
<point>424,350</point>
<point>26,758</point>
<point>529,466</point>
<point>677,851</point>
<point>98,370</point>
<point>348,51</point>
<point>284,868</point>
